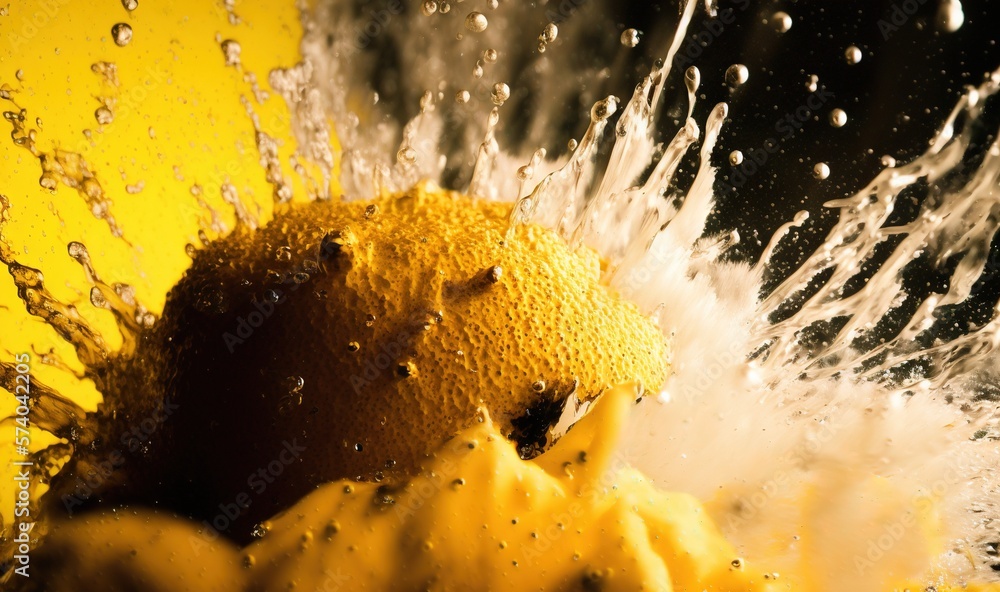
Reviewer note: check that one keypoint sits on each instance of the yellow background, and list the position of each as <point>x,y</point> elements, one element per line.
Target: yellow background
<point>173,80</point>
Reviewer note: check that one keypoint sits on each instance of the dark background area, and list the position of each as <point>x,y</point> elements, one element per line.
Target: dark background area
<point>909,79</point>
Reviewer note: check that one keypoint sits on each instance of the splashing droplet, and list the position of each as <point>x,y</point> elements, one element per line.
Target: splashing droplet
<point>736,75</point>
<point>950,15</point>
<point>549,33</point>
<point>500,94</point>
<point>853,55</point>
<point>888,161</point>
<point>736,158</point>
<point>838,118</point>
<point>781,21</point>
<point>122,34</point>
<point>476,22</point>
<point>103,115</point>
<point>821,170</point>
<point>812,83</point>
<point>630,37</point>
<point>231,49</point>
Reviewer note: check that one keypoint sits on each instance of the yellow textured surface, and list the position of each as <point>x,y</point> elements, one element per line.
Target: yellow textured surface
<point>134,550</point>
<point>480,518</point>
<point>408,293</point>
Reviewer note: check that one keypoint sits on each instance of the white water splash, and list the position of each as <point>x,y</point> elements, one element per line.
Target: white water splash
<point>814,418</point>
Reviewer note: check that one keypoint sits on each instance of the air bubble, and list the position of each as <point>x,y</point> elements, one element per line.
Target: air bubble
<point>781,21</point>
<point>462,97</point>
<point>130,5</point>
<point>500,94</point>
<point>476,22</point>
<point>231,49</point>
<point>821,170</point>
<point>604,108</point>
<point>853,55</point>
<point>103,115</point>
<point>549,33</point>
<point>630,37</point>
<point>838,118</point>
<point>283,254</point>
<point>406,156</point>
<point>429,7</point>
<point>490,56</point>
<point>122,34</point>
<point>736,75</point>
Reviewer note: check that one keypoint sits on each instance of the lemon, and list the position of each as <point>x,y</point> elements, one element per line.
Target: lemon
<point>350,339</point>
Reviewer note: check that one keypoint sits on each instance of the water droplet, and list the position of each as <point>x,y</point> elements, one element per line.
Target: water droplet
<point>630,37</point>
<point>736,158</point>
<point>888,161</point>
<point>259,531</point>
<point>358,447</point>
<point>604,108</point>
<point>853,55</point>
<point>371,210</point>
<point>122,34</point>
<point>838,118</point>
<point>549,33</point>
<point>429,7</point>
<point>406,369</point>
<point>476,22</point>
<point>490,56</point>
<point>821,170</point>
<point>572,144</point>
<point>231,49</point>
<point>444,7</point>
<point>812,83</point>
<point>950,15</point>
<point>283,254</point>
<point>48,181</point>
<point>736,75</point>
<point>492,4</point>
<point>271,296</point>
<point>406,156</point>
<point>781,21</point>
<point>369,320</point>
<point>103,115</point>
<point>462,97</point>
<point>19,74</point>
<point>538,386</point>
<point>353,346</point>
<point>500,94</point>
<point>130,5</point>
<point>493,274</point>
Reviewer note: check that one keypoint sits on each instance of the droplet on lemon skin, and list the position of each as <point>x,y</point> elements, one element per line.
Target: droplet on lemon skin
<point>132,550</point>
<point>398,324</point>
